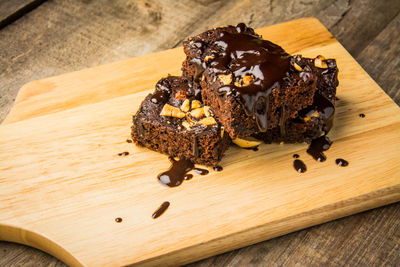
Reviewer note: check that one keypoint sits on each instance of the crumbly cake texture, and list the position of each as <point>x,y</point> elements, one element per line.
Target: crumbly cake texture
<point>250,83</point>
<point>172,120</point>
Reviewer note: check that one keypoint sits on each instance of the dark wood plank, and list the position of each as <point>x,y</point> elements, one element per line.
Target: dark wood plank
<point>62,36</point>
<point>11,10</point>
<point>382,61</point>
<point>351,241</point>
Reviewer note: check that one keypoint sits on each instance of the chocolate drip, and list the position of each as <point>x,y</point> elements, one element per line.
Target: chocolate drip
<point>296,156</point>
<point>248,55</point>
<point>200,171</point>
<point>188,176</point>
<point>126,153</point>
<point>342,162</point>
<point>299,166</point>
<point>362,115</point>
<point>318,146</point>
<point>164,206</point>
<point>175,175</point>
<point>321,107</point>
<point>128,140</point>
<point>218,168</point>
<point>118,220</point>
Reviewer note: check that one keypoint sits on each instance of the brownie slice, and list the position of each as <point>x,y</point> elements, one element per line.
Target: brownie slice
<point>173,121</point>
<point>250,83</point>
<point>316,119</point>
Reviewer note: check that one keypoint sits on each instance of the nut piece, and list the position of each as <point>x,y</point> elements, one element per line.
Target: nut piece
<point>207,111</point>
<point>196,104</point>
<point>314,114</point>
<point>319,62</point>
<point>181,95</point>
<point>172,111</point>
<point>297,67</point>
<point>185,107</point>
<point>247,80</point>
<point>207,58</point>
<point>186,125</point>
<point>225,78</point>
<point>249,142</point>
<point>197,113</point>
<point>207,121</point>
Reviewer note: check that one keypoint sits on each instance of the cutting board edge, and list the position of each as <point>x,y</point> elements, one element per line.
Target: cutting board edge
<point>347,207</point>
<point>26,237</point>
<point>313,217</point>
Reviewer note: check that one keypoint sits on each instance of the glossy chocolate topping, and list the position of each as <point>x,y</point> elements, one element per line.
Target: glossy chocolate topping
<point>324,109</point>
<point>263,63</point>
<point>342,162</point>
<point>299,166</point>
<point>164,206</point>
<point>318,146</point>
<point>175,175</point>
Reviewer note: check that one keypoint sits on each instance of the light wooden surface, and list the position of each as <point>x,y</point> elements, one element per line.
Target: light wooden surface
<point>68,184</point>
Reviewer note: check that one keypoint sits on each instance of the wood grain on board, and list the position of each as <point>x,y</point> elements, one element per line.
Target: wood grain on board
<point>73,162</point>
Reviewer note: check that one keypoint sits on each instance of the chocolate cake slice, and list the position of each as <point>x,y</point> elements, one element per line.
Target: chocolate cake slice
<point>251,84</point>
<point>316,119</point>
<point>174,121</point>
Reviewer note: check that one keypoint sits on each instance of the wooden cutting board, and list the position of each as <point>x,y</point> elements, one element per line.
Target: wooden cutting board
<point>62,183</point>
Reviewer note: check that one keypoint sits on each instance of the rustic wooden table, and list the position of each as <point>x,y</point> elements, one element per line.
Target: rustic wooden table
<point>44,38</point>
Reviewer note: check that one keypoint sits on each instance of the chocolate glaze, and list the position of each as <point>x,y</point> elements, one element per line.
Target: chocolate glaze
<point>118,220</point>
<point>188,176</point>
<point>200,171</point>
<point>325,109</point>
<point>296,156</point>
<point>299,166</point>
<point>246,54</point>
<point>218,168</point>
<point>164,206</point>
<point>128,140</point>
<point>362,115</point>
<point>342,162</point>
<point>318,146</point>
<point>126,153</point>
<point>175,175</point>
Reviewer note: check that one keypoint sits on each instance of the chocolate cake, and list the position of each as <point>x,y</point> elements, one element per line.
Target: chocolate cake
<point>251,84</point>
<point>316,119</point>
<point>174,121</point>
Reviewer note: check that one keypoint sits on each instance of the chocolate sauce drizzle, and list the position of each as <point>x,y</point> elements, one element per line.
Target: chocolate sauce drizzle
<point>296,156</point>
<point>126,153</point>
<point>299,166</point>
<point>164,206</point>
<point>318,146</point>
<point>342,162</point>
<point>218,168</point>
<point>324,108</point>
<point>200,171</point>
<point>362,115</point>
<point>245,54</point>
<point>175,175</point>
<point>118,220</point>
